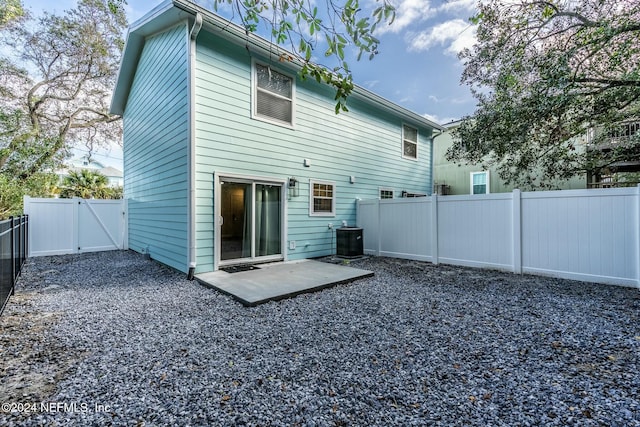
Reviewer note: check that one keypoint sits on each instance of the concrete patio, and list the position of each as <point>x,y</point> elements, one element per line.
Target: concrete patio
<point>272,282</point>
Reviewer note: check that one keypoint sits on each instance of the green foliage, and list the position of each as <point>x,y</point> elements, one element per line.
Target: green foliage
<point>544,73</point>
<point>300,24</point>
<point>13,189</point>
<point>56,77</point>
<point>11,11</point>
<point>88,184</point>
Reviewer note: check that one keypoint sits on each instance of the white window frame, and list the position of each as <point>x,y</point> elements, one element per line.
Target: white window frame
<point>472,174</point>
<point>381,189</point>
<point>412,142</point>
<point>254,96</point>
<point>312,197</point>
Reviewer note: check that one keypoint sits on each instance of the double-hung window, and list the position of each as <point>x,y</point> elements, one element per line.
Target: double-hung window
<point>322,200</point>
<point>480,182</point>
<point>409,142</point>
<point>273,95</point>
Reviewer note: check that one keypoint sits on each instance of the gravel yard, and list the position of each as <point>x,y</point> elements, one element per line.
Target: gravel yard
<point>113,339</point>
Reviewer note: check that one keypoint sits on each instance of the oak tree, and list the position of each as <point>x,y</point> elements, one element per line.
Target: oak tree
<point>314,31</point>
<point>56,80</point>
<point>549,75</point>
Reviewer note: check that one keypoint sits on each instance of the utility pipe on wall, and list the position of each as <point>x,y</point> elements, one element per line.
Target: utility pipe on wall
<point>191,153</point>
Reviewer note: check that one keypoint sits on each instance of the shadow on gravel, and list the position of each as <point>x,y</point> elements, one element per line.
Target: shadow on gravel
<point>114,339</point>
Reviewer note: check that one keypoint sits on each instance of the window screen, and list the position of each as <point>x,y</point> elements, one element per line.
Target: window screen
<point>409,142</point>
<point>274,95</point>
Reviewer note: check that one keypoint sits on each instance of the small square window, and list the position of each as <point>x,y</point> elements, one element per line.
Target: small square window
<point>409,142</point>
<point>322,200</point>
<point>385,193</point>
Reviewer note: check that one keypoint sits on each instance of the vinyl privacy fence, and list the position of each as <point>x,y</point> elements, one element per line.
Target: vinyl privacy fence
<point>69,226</point>
<point>588,235</point>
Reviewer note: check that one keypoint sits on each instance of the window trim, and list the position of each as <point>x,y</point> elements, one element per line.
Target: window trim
<point>381,189</point>
<point>254,95</point>
<point>312,197</point>
<point>412,142</point>
<point>472,174</point>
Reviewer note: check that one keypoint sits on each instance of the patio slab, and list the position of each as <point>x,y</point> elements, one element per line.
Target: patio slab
<point>271,282</point>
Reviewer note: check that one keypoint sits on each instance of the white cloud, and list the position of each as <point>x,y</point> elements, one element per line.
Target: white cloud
<point>455,34</point>
<point>438,119</point>
<point>370,84</point>
<point>408,12</point>
<point>454,6</point>
<point>458,101</point>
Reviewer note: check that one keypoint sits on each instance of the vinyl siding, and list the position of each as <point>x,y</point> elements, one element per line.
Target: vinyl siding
<point>365,142</point>
<point>155,150</point>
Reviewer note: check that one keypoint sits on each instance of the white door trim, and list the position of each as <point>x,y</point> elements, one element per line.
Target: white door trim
<point>219,177</point>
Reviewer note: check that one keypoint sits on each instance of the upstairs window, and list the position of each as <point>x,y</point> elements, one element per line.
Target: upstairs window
<point>409,142</point>
<point>624,132</point>
<point>273,95</point>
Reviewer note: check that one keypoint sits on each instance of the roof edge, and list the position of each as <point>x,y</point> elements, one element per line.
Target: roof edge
<point>169,13</point>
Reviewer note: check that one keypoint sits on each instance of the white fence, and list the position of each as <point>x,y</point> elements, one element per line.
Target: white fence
<point>68,226</point>
<point>589,235</point>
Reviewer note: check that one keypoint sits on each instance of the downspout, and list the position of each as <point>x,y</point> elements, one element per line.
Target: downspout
<point>191,153</point>
<point>433,147</point>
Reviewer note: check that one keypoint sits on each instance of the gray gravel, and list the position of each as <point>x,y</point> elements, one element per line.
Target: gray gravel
<point>114,339</point>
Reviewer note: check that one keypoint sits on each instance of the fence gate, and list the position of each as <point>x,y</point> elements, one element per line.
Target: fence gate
<point>70,226</point>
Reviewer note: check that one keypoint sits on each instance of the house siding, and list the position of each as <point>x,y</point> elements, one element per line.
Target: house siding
<point>155,149</point>
<point>458,176</point>
<point>365,142</point>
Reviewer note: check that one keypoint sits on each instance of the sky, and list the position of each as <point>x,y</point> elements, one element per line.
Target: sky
<point>417,65</point>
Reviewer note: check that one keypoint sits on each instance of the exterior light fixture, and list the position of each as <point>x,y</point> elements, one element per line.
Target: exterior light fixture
<point>294,187</point>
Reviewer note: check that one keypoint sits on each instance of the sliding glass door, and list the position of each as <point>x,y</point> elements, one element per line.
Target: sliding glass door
<point>268,218</point>
<point>251,221</point>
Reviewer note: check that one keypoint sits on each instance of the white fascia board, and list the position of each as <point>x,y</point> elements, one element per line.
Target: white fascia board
<point>172,11</point>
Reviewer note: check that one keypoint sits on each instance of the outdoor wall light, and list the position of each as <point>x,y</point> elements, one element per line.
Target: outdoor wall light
<point>294,188</point>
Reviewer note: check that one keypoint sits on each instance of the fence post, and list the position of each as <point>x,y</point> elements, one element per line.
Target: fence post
<point>638,237</point>
<point>26,237</point>
<point>516,203</point>
<point>379,225</point>
<point>20,244</point>
<point>125,223</point>
<point>13,259</point>
<point>77,202</point>
<point>434,229</point>
<point>26,208</point>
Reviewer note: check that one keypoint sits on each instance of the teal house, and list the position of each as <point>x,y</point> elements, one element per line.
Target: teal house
<point>229,157</point>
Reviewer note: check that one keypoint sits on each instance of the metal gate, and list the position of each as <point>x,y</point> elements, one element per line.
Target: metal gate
<point>13,254</point>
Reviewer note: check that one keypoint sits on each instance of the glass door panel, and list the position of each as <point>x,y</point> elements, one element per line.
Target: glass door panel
<point>268,228</point>
<point>235,209</point>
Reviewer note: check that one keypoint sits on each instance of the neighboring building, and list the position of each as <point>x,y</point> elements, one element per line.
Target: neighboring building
<point>618,174</point>
<point>76,165</point>
<point>229,157</point>
<point>452,178</point>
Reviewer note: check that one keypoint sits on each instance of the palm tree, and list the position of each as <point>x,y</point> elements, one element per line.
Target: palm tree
<point>86,184</point>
